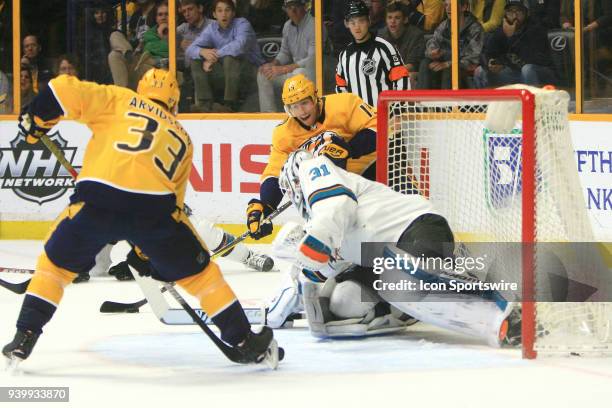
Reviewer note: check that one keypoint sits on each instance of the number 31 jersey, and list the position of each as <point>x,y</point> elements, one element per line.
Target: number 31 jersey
<point>138,153</point>
<point>346,209</point>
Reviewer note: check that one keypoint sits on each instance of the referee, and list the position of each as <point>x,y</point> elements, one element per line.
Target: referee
<point>370,64</point>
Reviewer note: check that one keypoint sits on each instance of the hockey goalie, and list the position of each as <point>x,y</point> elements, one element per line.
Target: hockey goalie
<point>343,210</point>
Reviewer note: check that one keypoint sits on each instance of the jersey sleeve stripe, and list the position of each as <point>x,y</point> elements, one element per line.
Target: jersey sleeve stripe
<point>397,73</point>
<point>315,249</point>
<point>314,276</point>
<point>340,81</point>
<point>328,192</point>
<point>57,99</point>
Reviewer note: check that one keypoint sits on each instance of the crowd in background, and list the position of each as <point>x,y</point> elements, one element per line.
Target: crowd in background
<point>234,55</point>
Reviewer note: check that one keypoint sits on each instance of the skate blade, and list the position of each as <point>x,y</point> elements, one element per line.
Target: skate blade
<point>12,365</point>
<point>271,359</point>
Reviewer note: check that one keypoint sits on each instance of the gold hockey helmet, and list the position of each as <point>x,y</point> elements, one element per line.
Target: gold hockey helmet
<point>161,86</point>
<point>298,87</point>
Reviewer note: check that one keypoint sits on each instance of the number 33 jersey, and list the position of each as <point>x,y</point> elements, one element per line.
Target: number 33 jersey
<point>346,209</point>
<point>139,156</point>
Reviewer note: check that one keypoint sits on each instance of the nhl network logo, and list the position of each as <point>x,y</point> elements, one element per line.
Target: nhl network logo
<point>32,172</point>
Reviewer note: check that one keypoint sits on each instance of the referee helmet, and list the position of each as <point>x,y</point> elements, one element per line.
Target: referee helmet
<point>356,8</point>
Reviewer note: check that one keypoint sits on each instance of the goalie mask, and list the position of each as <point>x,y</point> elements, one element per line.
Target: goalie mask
<point>289,181</point>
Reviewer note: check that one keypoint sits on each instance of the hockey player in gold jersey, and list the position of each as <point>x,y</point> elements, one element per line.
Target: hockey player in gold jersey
<point>346,114</point>
<point>131,187</point>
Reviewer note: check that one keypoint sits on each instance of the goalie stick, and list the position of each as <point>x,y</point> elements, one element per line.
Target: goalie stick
<point>109,306</point>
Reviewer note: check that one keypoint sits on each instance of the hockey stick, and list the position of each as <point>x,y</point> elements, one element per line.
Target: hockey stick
<point>59,155</point>
<point>17,270</point>
<point>230,352</point>
<point>118,307</point>
<point>19,288</point>
<point>244,236</point>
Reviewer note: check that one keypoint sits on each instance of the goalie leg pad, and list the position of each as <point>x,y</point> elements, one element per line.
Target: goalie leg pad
<point>350,300</point>
<point>323,323</point>
<point>471,313</point>
<point>286,302</point>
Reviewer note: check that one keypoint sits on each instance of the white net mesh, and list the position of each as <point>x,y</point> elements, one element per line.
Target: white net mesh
<point>439,147</point>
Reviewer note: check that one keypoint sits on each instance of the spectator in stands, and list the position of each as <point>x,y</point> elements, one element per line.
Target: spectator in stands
<point>155,43</point>
<point>517,52</point>
<point>432,10</point>
<point>604,21</point>
<point>224,59</point>
<point>25,85</point>
<point>333,20</point>
<point>67,64</point>
<point>100,23</point>
<point>6,36</point>
<point>264,15</point>
<point>186,33</point>
<point>377,14</point>
<point>125,51</point>
<point>595,14</point>
<point>546,12</point>
<point>6,100</point>
<point>40,72</point>
<point>489,13</point>
<point>408,39</point>
<point>296,56</point>
<point>434,71</point>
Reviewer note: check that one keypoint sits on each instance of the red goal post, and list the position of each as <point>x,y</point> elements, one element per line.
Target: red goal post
<point>426,137</point>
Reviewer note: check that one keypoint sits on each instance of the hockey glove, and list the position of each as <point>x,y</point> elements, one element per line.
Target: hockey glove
<point>257,211</point>
<point>336,150</point>
<point>27,125</point>
<point>312,255</point>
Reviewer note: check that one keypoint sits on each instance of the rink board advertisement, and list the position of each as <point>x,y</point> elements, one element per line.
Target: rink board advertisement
<point>229,155</point>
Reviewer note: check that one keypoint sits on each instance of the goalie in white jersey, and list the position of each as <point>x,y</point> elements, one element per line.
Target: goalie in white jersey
<point>342,211</point>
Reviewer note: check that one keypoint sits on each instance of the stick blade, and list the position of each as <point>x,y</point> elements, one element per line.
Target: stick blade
<point>114,307</point>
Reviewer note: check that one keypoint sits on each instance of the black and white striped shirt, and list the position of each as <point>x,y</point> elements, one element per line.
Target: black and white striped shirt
<point>368,68</point>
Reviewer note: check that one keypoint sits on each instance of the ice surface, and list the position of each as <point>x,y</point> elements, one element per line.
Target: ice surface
<point>132,360</point>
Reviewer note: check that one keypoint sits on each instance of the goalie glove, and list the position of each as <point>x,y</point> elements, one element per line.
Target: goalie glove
<point>28,126</point>
<point>257,211</point>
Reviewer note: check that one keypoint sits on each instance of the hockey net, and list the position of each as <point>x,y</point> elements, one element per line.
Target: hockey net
<point>519,185</point>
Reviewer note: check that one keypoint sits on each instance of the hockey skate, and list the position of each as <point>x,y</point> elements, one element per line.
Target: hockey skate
<point>260,348</point>
<point>259,262</point>
<point>121,271</point>
<point>20,348</point>
<point>82,278</point>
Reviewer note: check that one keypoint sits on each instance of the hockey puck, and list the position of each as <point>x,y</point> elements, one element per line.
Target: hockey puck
<point>281,353</point>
